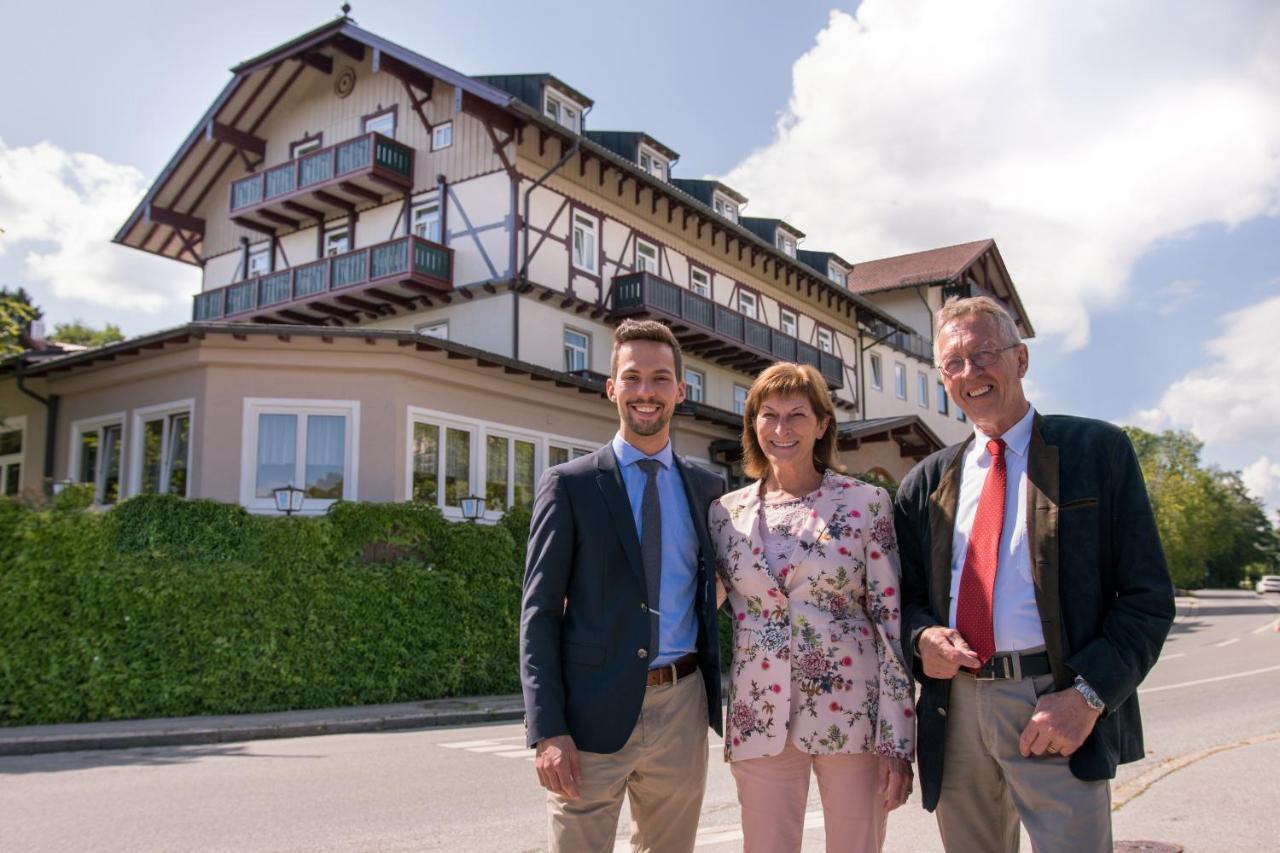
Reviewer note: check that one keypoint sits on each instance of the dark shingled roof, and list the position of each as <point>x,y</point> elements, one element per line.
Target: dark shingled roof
<point>935,266</point>
<point>528,87</point>
<point>626,143</point>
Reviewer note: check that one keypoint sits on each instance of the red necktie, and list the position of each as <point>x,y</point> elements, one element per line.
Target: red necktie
<point>973,608</point>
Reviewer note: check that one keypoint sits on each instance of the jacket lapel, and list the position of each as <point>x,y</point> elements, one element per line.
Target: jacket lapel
<point>1042,535</point>
<point>609,481</point>
<point>943,503</point>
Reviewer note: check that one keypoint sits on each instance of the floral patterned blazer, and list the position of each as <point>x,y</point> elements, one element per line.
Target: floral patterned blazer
<point>817,656</point>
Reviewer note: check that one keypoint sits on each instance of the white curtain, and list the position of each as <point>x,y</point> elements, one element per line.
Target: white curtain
<point>277,452</point>
<point>326,455</point>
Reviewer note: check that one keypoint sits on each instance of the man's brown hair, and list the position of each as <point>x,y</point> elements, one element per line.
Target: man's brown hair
<point>780,380</point>
<point>645,330</point>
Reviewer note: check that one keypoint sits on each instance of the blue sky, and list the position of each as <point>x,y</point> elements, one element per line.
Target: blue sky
<point>1132,182</point>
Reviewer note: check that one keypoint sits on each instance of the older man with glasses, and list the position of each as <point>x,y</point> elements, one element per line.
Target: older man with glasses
<point>1035,600</point>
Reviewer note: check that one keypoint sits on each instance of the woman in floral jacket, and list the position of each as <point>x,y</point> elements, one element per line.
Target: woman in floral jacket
<point>808,559</point>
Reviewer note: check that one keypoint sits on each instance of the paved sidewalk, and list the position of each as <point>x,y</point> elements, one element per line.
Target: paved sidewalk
<point>124,734</point>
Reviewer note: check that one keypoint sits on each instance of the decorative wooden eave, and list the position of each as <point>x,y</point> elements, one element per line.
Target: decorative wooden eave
<point>164,222</point>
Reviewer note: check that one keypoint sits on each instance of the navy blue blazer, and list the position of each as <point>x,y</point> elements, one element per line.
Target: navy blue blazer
<point>584,623</point>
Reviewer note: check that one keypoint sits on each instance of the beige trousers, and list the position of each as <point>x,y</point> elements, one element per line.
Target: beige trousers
<point>987,786</point>
<point>773,792</point>
<point>662,768</point>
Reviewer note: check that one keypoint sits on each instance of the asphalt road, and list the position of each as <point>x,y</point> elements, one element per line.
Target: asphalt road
<point>1210,782</point>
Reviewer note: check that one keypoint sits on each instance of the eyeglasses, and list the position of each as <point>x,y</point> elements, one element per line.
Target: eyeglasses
<point>954,366</point>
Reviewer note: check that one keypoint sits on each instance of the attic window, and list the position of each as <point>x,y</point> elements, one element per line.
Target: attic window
<point>561,110</point>
<point>786,243</point>
<point>652,163</point>
<point>837,275</point>
<point>725,208</point>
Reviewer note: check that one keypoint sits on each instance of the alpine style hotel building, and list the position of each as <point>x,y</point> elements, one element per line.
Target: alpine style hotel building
<point>410,279</point>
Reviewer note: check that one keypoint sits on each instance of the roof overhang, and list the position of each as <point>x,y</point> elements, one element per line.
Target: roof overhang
<point>913,436</point>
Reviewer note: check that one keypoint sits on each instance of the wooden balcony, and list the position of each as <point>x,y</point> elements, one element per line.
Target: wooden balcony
<point>322,184</point>
<point>368,283</point>
<point>716,332</point>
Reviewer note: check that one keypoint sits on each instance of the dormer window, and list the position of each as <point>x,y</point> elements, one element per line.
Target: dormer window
<point>562,111</point>
<point>837,275</point>
<point>652,163</point>
<point>786,244</point>
<point>725,208</point>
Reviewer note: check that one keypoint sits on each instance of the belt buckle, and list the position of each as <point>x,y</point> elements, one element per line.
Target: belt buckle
<point>1010,667</point>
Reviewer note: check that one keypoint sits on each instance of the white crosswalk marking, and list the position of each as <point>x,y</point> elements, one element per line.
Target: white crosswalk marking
<point>516,753</point>
<point>722,834</point>
<point>468,744</point>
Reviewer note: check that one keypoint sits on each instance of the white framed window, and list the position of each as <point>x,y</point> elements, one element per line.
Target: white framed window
<point>259,261</point>
<point>786,243</point>
<point>922,390</point>
<point>310,444</point>
<point>561,110</point>
<point>960,416</point>
<point>788,322</point>
<point>560,452</point>
<point>442,135</point>
<point>442,460</point>
<point>435,329</point>
<point>725,207</point>
<point>577,350</point>
<point>700,282</point>
<point>877,373</point>
<point>739,399</point>
<point>511,467</point>
<point>97,451</point>
<point>306,146</point>
<point>383,122</point>
<point>337,241</point>
<point>944,404</point>
<point>161,451</point>
<point>837,275</point>
<point>653,163</point>
<point>825,342</point>
<point>646,257</point>
<point>12,433</point>
<point>694,385</point>
<point>900,380</point>
<point>586,230</point>
<point>747,304</point>
<point>424,220</point>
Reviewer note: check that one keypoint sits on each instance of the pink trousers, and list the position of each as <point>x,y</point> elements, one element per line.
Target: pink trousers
<point>773,792</point>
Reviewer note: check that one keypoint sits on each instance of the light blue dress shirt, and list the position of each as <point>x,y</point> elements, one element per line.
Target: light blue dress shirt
<point>1016,618</point>
<point>677,626</point>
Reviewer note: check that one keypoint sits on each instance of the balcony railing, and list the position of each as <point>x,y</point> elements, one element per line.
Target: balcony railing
<point>390,273</point>
<point>920,347</point>
<point>325,180</point>
<point>643,292</point>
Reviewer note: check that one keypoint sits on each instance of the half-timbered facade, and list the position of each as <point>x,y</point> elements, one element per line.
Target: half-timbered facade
<point>410,280</point>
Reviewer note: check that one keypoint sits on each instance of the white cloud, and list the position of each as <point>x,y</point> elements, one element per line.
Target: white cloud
<point>1076,134</point>
<point>1231,401</point>
<point>59,211</point>
<point>1262,479</point>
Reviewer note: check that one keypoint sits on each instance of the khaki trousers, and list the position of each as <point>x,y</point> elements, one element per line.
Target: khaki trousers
<point>774,790</point>
<point>662,768</point>
<point>987,786</point>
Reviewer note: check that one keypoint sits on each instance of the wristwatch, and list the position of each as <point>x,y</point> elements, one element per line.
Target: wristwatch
<point>1090,695</point>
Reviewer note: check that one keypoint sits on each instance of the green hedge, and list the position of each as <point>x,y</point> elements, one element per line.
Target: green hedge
<point>166,607</point>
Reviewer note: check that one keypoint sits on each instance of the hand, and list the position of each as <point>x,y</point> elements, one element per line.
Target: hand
<point>1061,722</point>
<point>894,781</point>
<point>557,763</point>
<point>943,651</point>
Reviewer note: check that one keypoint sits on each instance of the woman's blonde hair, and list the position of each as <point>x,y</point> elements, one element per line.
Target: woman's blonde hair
<point>782,379</point>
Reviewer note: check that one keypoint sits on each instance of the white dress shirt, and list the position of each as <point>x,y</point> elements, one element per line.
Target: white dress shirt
<point>1015,616</point>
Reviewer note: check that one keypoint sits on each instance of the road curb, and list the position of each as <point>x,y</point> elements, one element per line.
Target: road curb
<point>1131,790</point>
<point>232,733</point>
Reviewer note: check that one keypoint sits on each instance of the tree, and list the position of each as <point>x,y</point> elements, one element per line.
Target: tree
<point>78,332</point>
<point>16,313</point>
<point>1213,532</point>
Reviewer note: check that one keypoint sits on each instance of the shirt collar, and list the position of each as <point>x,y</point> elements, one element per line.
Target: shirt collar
<point>629,455</point>
<point>1016,437</point>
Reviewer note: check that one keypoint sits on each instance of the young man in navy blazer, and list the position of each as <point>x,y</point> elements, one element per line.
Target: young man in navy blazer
<point>619,658</point>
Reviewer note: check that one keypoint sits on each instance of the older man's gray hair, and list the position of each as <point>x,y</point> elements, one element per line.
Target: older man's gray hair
<point>983,306</point>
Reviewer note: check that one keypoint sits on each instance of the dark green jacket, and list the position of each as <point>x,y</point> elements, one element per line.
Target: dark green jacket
<point>1102,586</point>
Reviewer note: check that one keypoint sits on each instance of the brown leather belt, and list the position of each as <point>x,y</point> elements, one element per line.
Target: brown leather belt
<point>673,671</point>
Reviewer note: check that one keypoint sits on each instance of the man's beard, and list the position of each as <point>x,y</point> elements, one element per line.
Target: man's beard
<point>652,427</point>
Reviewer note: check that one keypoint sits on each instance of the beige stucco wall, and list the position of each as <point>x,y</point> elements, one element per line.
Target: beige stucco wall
<point>219,374</point>
<point>19,410</point>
